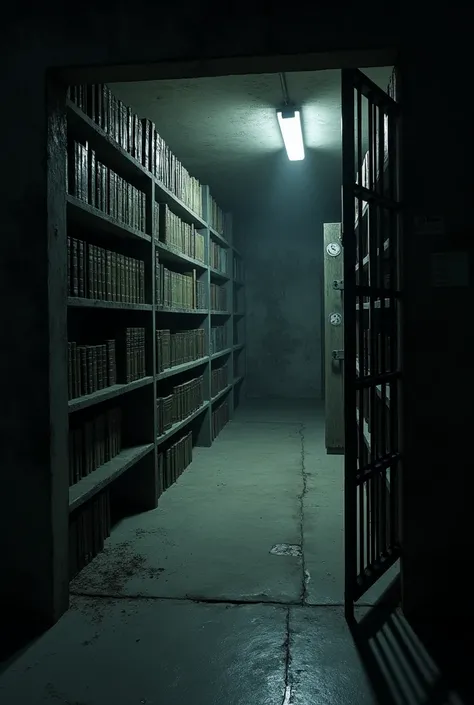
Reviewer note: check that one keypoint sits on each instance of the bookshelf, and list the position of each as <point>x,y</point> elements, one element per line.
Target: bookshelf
<point>156,346</point>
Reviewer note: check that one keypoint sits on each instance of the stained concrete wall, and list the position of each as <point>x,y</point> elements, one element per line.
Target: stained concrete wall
<point>438,176</point>
<point>282,245</point>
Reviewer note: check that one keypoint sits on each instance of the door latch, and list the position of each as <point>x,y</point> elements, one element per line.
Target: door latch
<point>338,284</point>
<point>338,354</point>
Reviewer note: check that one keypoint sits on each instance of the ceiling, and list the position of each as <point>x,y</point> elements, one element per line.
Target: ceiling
<point>225,131</point>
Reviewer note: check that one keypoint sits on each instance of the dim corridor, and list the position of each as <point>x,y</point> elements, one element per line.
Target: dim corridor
<point>230,593</point>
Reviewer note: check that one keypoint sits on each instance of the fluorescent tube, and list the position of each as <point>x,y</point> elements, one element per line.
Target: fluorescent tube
<point>290,126</point>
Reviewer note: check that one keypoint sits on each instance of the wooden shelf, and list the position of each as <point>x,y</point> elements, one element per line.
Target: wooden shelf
<point>108,150</point>
<point>238,379</point>
<point>236,251</point>
<point>218,275</point>
<point>239,314</point>
<point>90,217</point>
<point>192,311</point>
<point>221,353</point>
<point>115,390</point>
<point>96,303</point>
<point>169,255</point>
<point>181,424</point>
<point>177,369</point>
<point>239,346</point>
<point>92,484</point>
<point>222,393</point>
<point>220,313</point>
<point>218,237</point>
<point>164,195</point>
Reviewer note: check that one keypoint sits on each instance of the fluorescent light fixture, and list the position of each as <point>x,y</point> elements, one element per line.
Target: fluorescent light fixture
<point>290,126</point>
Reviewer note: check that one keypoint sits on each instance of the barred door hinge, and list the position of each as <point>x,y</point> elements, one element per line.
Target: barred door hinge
<point>338,354</point>
<point>338,284</point>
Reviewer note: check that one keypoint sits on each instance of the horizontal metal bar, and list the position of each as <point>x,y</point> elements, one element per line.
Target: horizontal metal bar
<point>377,466</point>
<point>365,194</point>
<point>372,573</point>
<point>377,292</point>
<point>366,381</point>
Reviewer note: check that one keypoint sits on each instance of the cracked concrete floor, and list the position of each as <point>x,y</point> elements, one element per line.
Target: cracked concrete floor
<point>187,605</point>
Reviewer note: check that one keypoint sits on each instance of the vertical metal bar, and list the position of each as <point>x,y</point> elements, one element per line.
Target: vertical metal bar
<point>350,413</point>
<point>360,335</point>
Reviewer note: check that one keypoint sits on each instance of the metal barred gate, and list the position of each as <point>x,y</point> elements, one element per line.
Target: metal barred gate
<point>371,227</point>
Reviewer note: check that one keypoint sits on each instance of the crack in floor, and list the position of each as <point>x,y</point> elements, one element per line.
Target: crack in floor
<point>287,646</point>
<point>301,498</point>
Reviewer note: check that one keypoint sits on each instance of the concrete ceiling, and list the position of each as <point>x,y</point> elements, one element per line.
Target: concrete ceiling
<point>225,130</point>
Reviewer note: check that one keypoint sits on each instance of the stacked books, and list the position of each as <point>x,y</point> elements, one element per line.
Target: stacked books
<point>96,273</point>
<point>89,526</point>
<point>177,235</point>
<point>177,348</point>
<point>220,417</point>
<point>181,403</point>
<point>218,338</point>
<point>216,217</point>
<point>218,258</point>
<point>178,291</point>
<point>219,380</point>
<point>218,298</point>
<point>96,184</point>
<point>91,368</point>
<point>140,139</point>
<point>174,461</point>
<point>93,442</point>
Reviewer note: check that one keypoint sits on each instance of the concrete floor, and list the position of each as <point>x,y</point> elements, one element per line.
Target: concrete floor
<point>186,605</point>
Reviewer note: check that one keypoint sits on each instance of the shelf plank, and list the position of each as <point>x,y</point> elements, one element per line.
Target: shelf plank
<point>220,313</point>
<point>167,254</point>
<point>218,237</point>
<point>236,251</point>
<point>192,311</point>
<point>164,195</point>
<point>96,303</point>
<point>218,275</point>
<point>221,353</point>
<point>221,393</point>
<point>181,424</point>
<point>89,486</point>
<point>181,368</point>
<point>115,390</point>
<point>108,150</point>
<point>91,217</point>
<point>238,379</point>
<point>239,346</point>
<point>239,314</point>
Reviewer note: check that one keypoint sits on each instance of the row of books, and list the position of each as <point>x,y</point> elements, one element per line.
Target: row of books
<point>178,235</point>
<point>216,217</point>
<point>181,403</point>
<point>218,300</point>
<point>134,354</point>
<point>220,417</point>
<point>91,368</point>
<point>218,339</point>
<point>139,138</point>
<point>238,269</point>
<point>94,442</point>
<point>96,184</point>
<point>178,291</point>
<point>174,461</point>
<point>178,347</point>
<point>218,257</point>
<point>89,527</point>
<point>97,273</point>
<point>219,380</point>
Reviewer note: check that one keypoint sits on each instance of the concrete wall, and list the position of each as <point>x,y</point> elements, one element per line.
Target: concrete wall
<point>438,170</point>
<point>282,246</point>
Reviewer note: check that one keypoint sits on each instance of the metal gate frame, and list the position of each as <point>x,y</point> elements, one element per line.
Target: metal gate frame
<point>371,222</point>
